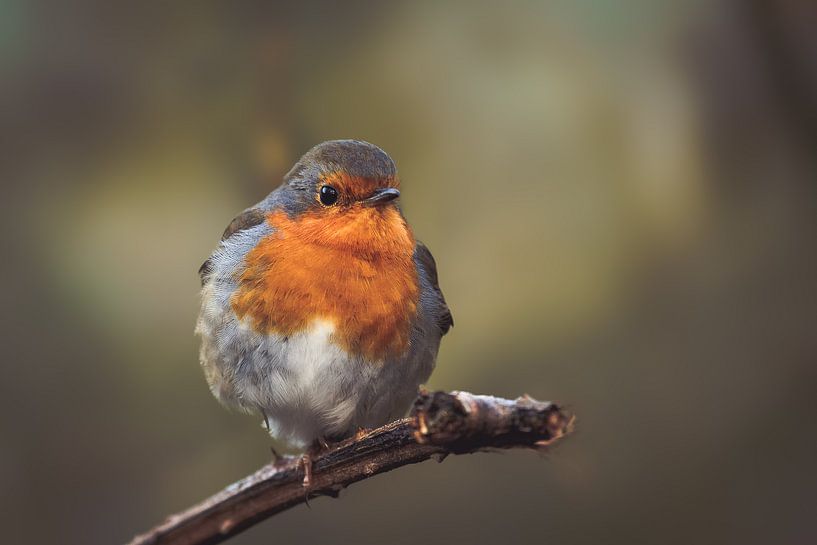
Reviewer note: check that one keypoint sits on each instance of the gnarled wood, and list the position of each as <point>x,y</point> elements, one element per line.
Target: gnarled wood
<point>440,424</point>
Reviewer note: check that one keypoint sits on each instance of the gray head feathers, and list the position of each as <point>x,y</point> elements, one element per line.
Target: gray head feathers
<point>355,157</point>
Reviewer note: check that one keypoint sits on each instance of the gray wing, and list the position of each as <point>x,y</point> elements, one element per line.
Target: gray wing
<point>247,219</point>
<point>437,304</point>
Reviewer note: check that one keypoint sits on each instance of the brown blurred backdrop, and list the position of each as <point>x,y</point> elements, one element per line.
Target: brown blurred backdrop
<point>620,196</point>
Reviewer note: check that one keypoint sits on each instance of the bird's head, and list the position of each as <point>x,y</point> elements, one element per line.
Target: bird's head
<point>342,193</point>
<point>341,175</point>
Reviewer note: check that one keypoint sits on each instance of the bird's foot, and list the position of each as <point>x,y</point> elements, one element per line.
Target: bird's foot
<point>319,446</point>
<point>306,462</point>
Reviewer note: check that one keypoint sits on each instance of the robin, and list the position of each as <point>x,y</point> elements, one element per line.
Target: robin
<point>320,312</point>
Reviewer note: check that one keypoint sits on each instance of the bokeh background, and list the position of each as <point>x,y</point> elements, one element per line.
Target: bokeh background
<point>620,196</point>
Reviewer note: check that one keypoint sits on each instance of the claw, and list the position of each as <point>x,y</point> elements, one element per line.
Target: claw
<point>266,419</point>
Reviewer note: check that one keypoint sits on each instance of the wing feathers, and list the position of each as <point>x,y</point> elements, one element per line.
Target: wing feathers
<point>443,317</point>
<point>247,219</point>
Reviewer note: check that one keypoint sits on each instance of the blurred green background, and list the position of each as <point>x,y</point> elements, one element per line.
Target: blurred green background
<point>620,196</point>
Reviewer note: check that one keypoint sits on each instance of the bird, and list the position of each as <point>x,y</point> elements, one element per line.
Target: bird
<point>320,311</point>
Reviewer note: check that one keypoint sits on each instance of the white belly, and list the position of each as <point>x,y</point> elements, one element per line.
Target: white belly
<point>313,392</point>
<point>308,387</point>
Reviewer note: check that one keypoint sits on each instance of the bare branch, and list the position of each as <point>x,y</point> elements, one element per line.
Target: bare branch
<point>440,424</point>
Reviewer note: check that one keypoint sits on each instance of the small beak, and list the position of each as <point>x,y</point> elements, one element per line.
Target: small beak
<point>381,196</point>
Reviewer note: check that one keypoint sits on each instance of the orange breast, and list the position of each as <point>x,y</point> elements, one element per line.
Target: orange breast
<point>353,267</point>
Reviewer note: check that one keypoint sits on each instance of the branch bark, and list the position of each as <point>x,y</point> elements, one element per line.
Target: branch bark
<point>440,424</point>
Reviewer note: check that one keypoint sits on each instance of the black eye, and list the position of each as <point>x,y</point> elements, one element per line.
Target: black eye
<point>328,195</point>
